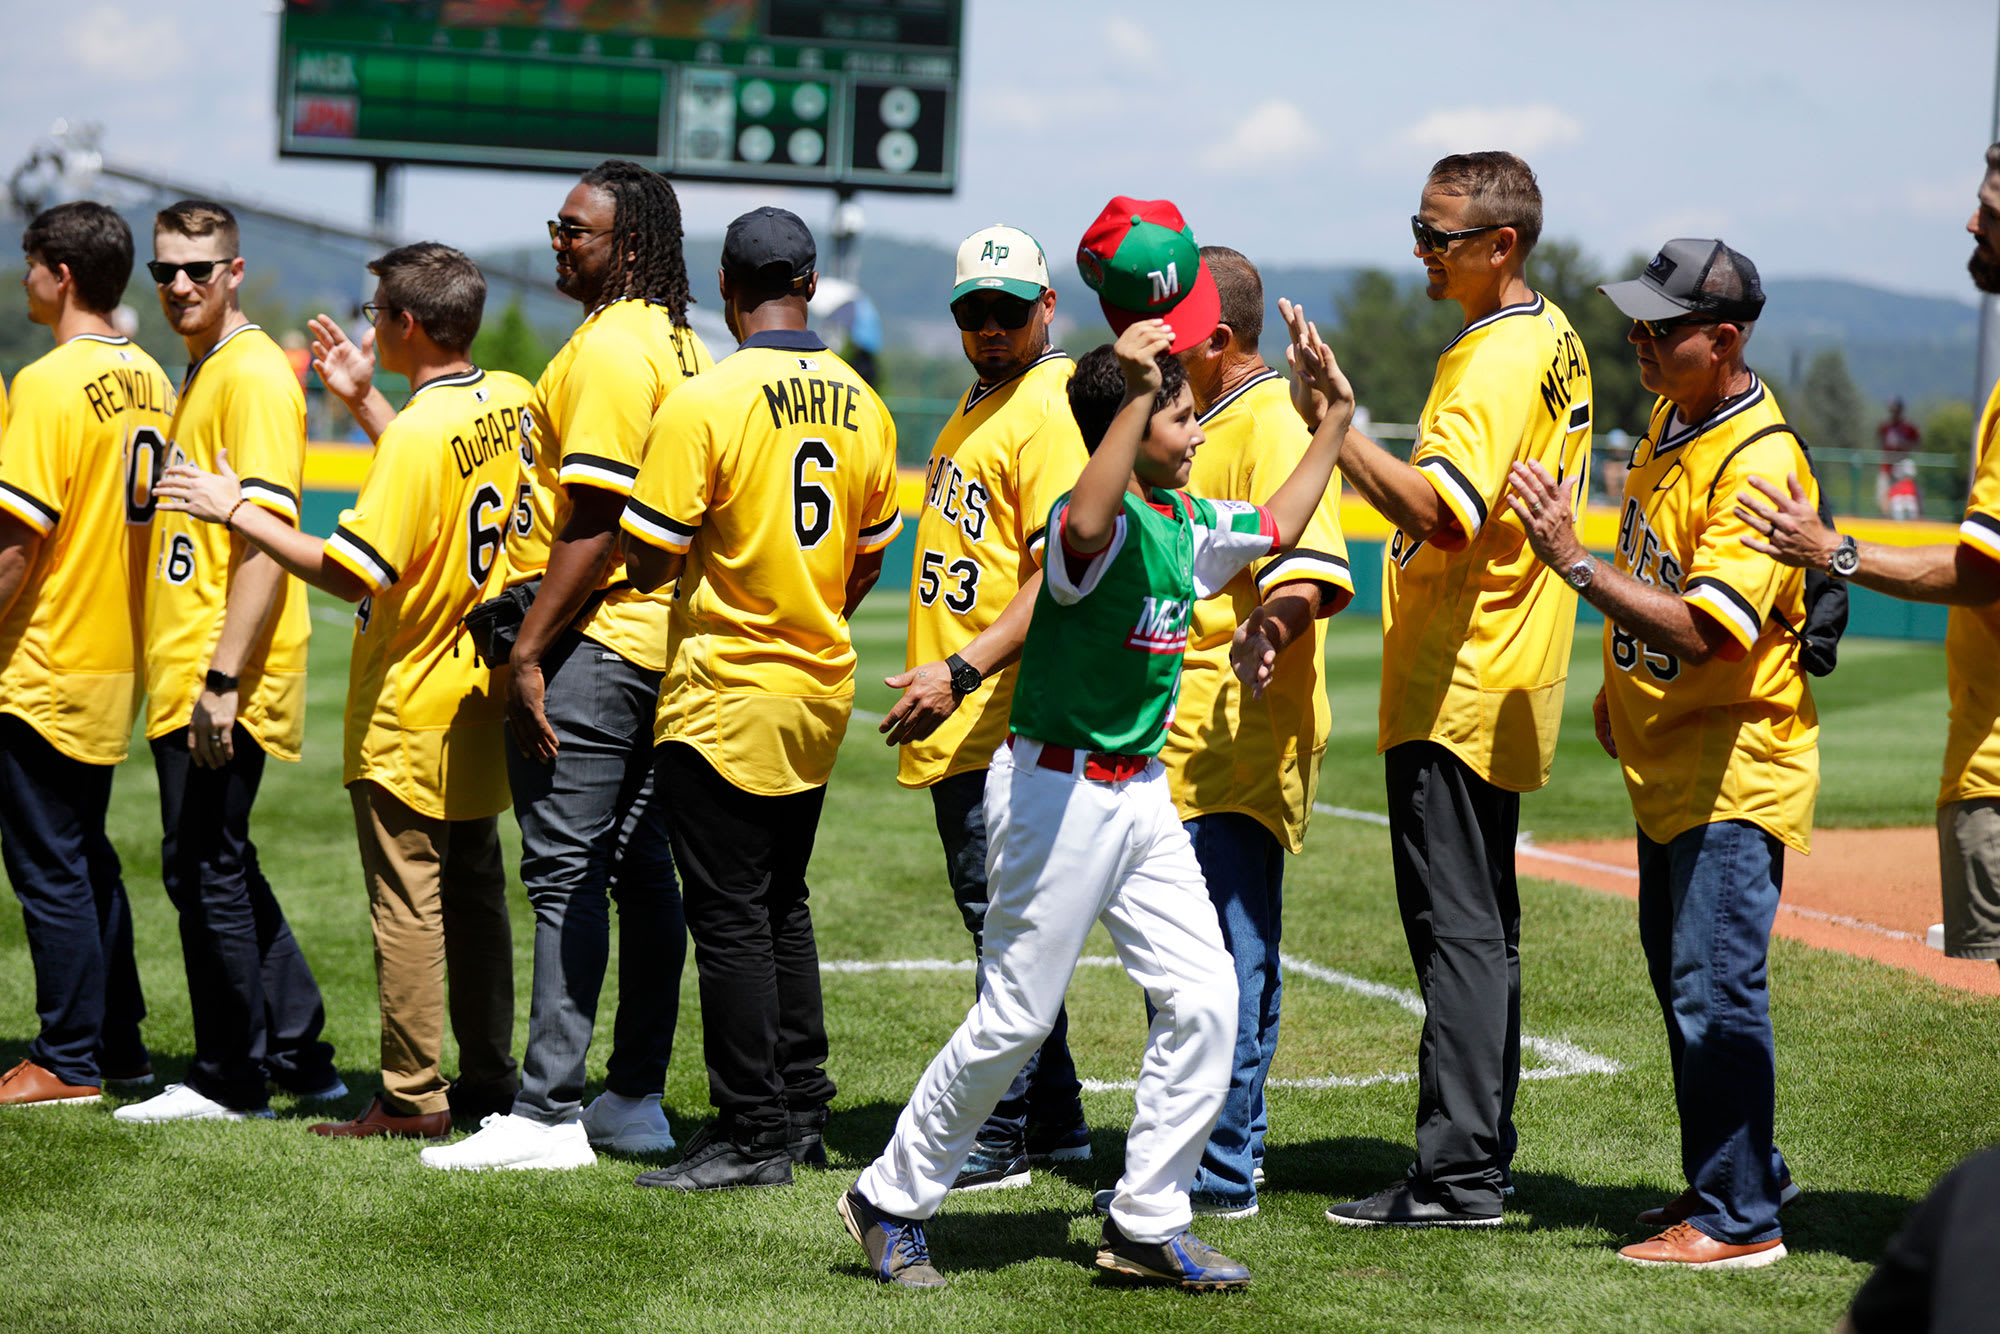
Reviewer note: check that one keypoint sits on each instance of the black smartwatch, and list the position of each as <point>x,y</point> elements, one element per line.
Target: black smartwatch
<point>218,684</point>
<point>965,678</point>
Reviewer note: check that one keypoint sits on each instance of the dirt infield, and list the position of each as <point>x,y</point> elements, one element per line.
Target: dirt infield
<point>1866,892</point>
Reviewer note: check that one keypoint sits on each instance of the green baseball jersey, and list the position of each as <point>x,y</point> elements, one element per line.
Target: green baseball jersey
<point>1102,663</point>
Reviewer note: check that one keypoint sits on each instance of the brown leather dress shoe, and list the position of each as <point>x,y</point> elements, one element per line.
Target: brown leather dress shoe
<point>29,1085</point>
<point>1687,1245</point>
<point>379,1120</point>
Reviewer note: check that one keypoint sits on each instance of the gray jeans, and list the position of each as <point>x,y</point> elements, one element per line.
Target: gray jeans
<point>592,833</point>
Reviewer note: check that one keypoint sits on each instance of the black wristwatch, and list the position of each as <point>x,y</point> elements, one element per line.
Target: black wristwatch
<point>218,684</point>
<point>965,678</point>
<point>1845,560</point>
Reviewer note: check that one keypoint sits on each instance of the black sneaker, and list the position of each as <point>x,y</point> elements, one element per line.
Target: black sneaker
<point>715,1161</point>
<point>1186,1260</point>
<point>1066,1141</point>
<point>1407,1204</point>
<point>992,1166</point>
<point>896,1248</point>
<point>805,1136</point>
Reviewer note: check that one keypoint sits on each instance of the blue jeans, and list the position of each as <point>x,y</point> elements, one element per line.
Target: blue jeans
<point>1244,865</point>
<point>1046,1090</point>
<point>592,832</point>
<point>1706,903</point>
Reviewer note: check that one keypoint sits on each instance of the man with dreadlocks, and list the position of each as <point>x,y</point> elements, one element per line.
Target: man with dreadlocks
<point>586,682</point>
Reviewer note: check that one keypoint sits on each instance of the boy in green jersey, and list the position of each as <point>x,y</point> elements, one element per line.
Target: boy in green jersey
<point>1081,827</point>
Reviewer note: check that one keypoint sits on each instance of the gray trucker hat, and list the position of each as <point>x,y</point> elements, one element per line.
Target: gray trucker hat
<point>1685,279</point>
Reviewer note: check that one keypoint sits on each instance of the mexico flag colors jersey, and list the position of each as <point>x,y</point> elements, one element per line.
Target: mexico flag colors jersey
<point>425,718</point>
<point>1736,737</point>
<point>593,406</point>
<point>1476,631</point>
<point>243,397</point>
<point>83,422</point>
<point>998,467</point>
<point>1102,663</point>
<point>1226,751</point>
<point>1972,640</point>
<point>772,472</point>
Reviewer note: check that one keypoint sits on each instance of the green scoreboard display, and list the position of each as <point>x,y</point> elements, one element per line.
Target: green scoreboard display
<point>842,93</point>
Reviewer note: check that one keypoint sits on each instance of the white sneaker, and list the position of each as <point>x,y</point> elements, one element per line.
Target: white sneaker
<point>178,1102</point>
<point>619,1124</point>
<point>515,1143</point>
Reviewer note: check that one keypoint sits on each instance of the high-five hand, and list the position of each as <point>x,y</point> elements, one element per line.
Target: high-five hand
<point>347,369</point>
<point>208,496</point>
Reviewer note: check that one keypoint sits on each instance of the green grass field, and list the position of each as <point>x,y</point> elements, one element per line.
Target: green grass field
<point>1885,1080</point>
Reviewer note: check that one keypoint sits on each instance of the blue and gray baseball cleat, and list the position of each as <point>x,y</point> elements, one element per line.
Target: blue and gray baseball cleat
<point>1185,1260</point>
<point>896,1248</point>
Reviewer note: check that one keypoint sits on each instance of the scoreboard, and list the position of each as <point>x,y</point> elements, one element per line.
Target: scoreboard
<point>842,93</point>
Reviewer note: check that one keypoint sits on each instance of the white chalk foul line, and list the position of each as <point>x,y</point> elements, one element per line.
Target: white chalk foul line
<point>1557,1057</point>
<point>1524,846</point>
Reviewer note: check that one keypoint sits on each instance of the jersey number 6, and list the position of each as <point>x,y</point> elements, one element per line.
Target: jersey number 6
<point>483,537</point>
<point>809,497</point>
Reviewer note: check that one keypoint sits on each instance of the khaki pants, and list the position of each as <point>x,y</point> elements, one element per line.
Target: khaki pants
<point>437,898</point>
<point>1969,863</point>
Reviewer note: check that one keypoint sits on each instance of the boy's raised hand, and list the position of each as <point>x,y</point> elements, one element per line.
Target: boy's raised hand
<point>1317,377</point>
<point>1137,350</point>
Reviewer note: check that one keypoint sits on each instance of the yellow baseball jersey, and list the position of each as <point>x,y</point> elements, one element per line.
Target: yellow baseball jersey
<point>1736,737</point>
<point>772,472</point>
<point>1226,751</point>
<point>593,407</point>
<point>427,534</point>
<point>1476,631</point>
<point>999,466</point>
<point>1972,640</point>
<point>85,421</point>
<point>243,397</point>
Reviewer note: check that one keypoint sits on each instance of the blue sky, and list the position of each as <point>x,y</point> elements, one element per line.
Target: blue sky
<point>1834,139</point>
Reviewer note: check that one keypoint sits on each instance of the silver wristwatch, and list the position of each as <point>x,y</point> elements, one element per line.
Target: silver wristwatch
<point>1578,576</point>
<point>1845,560</point>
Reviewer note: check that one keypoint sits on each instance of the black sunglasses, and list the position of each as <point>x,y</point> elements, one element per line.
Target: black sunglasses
<point>1661,328</point>
<point>569,233</point>
<point>198,270</point>
<point>373,312</point>
<point>1437,242</point>
<point>970,311</point>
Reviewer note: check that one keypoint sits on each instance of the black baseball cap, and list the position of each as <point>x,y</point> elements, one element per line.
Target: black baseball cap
<point>770,245</point>
<point>1692,276</point>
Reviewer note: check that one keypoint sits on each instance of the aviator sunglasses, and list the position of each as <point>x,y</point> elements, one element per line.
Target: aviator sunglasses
<point>198,270</point>
<point>969,312</point>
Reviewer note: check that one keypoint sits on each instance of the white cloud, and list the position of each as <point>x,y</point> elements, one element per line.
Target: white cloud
<point>1524,130</point>
<point>1274,133</point>
<point>1131,42</point>
<point>107,41</point>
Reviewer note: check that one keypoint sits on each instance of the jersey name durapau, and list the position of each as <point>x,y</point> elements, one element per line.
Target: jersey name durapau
<point>1733,738</point>
<point>78,445</point>
<point>772,472</point>
<point>1476,630</point>
<point>243,397</point>
<point>427,535</point>
<point>998,466</point>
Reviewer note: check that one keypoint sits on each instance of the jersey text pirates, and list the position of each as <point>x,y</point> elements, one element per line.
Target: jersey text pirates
<point>1476,630</point>
<point>427,535</point>
<point>593,406</point>
<point>773,471</point>
<point>997,468</point>
<point>1226,751</point>
<point>1736,737</point>
<point>242,397</point>
<point>84,421</point>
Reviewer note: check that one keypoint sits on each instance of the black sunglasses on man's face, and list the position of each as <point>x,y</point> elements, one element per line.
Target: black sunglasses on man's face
<point>198,271</point>
<point>1437,242</point>
<point>1010,312</point>
<point>1657,329</point>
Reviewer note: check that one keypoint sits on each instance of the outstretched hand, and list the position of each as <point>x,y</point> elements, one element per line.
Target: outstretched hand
<point>1253,654</point>
<point>208,496</point>
<point>1791,531</point>
<point>927,701</point>
<point>1547,511</point>
<point>1319,386</point>
<point>346,368</point>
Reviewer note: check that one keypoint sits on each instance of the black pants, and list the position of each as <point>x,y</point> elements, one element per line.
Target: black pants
<point>1452,833</point>
<point>72,893</point>
<point>743,860</point>
<point>257,1010</point>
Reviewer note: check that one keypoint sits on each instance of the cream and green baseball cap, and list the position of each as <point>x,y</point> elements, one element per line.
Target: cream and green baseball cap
<point>1002,259</point>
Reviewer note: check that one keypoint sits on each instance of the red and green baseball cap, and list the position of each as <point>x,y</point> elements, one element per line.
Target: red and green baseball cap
<point>1141,260</point>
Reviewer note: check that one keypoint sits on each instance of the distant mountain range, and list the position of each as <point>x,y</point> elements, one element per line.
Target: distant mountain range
<point>1917,347</point>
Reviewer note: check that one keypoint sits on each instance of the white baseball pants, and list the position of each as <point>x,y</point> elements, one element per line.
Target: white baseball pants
<point>1063,852</point>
